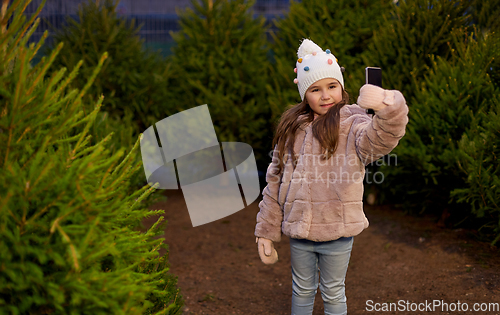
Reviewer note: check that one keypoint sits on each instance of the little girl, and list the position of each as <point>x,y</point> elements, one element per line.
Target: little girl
<point>314,192</point>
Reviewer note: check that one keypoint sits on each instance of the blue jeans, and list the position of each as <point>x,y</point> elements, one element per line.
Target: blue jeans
<point>332,258</point>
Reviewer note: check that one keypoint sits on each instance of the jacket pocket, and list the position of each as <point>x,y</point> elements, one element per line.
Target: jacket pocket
<point>327,212</point>
<point>353,212</point>
<point>297,211</point>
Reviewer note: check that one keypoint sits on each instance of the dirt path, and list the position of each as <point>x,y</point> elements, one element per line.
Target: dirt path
<point>398,259</point>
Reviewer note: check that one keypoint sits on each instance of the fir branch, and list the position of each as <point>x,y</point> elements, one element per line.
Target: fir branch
<point>44,209</point>
<point>118,155</point>
<point>55,78</point>
<point>94,74</point>
<point>22,135</point>
<point>68,80</point>
<point>22,34</point>
<point>91,117</point>
<point>38,45</point>
<point>66,238</point>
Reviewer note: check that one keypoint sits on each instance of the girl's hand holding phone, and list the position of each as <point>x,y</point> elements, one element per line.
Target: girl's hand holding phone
<point>374,97</point>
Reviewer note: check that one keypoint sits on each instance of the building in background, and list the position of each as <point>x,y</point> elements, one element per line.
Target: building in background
<point>157,17</point>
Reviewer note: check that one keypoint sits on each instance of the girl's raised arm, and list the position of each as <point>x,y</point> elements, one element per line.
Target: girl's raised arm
<point>377,137</point>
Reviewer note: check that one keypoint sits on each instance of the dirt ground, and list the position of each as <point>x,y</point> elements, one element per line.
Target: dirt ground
<point>399,259</point>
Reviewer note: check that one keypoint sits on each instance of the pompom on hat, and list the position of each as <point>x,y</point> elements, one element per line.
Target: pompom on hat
<point>314,64</point>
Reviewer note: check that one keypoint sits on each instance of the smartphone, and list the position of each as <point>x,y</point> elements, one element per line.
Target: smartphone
<point>373,76</point>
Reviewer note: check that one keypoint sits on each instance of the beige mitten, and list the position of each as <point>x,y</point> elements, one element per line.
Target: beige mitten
<point>267,253</point>
<point>374,97</point>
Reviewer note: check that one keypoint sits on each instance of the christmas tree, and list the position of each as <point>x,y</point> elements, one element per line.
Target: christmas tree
<point>220,59</point>
<point>478,158</point>
<point>448,115</point>
<point>134,80</point>
<point>70,231</point>
<point>410,35</point>
<point>477,154</point>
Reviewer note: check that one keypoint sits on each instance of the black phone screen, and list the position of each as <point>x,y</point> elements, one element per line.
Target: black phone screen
<point>374,76</point>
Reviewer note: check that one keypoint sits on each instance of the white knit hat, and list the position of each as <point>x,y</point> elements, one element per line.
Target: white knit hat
<point>315,64</point>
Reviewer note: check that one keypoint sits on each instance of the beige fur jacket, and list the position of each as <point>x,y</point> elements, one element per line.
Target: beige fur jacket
<point>321,200</point>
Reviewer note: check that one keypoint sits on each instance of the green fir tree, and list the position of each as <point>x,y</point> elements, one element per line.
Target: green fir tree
<point>485,15</point>
<point>478,157</point>
<point>220,59</point>
<point>70,239</point>
<point>135,81</point>
<point>410,35</point>
<point>451,99</point>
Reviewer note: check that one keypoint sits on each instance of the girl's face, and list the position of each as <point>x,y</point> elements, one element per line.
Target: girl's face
<point>323,94</point>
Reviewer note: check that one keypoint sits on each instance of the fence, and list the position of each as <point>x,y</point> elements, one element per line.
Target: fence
<point>157,17</point>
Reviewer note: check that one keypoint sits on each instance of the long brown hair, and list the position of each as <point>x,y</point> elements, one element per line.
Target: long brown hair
<point>325,128</point>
